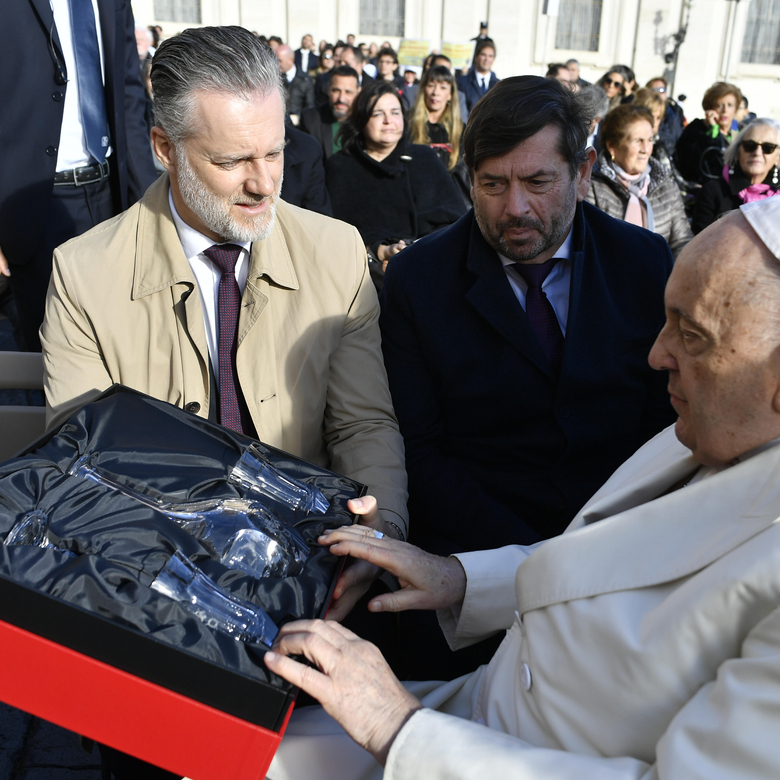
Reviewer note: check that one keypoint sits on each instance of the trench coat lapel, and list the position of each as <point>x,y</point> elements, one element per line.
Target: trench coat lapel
<point>260,328</point>
<point>657,539</point>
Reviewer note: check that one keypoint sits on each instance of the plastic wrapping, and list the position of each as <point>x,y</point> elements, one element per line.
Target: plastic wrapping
<point>240,533</point>
<point>185,583</point>
<point>257,476</point>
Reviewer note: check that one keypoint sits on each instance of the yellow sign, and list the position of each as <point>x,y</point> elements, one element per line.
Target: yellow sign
<point>459,53</point>
<point>413,52</point>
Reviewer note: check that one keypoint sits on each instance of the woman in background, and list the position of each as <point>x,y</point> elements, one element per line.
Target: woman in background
<point>630,185</point>
<point>750,173</point>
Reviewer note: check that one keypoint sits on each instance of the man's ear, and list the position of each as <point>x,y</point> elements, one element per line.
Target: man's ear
<point>586,168</point>
<point>163,148</point>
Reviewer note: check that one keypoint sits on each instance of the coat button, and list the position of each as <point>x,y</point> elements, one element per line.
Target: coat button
<point>57,97</point>
<point>525,677</point>
<point>193,407</point>
<point>51,150</point>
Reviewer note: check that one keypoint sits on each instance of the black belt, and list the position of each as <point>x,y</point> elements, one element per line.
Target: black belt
<point>85,175</point>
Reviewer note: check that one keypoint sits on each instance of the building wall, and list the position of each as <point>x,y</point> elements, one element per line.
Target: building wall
<point>633,32</point>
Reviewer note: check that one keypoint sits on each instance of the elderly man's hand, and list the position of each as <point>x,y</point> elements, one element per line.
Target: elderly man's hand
<point>354,683</point>
<point>358,575</point>
<point>427,581</point>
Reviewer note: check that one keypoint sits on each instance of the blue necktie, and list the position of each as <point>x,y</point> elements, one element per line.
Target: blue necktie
<point>89,75</point>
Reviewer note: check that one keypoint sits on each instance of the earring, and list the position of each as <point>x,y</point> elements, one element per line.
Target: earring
<point>775,177</point>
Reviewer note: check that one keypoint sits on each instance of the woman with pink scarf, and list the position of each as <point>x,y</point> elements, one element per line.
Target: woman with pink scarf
<point>629,184</point>
<point>750,173</point>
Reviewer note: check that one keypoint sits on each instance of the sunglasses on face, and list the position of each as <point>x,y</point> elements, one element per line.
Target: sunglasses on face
<point>612,83</point>
<point>751,146</point>
<point>659,89</point>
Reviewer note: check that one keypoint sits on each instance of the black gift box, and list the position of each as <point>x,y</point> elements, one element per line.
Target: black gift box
<point>182,696</point>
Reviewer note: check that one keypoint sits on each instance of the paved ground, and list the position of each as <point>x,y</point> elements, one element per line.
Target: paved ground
<point>30,748</point>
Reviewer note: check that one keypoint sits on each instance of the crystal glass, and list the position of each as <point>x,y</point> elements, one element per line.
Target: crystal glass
<point>185,583</point>
<point>257,476</point>
<point>240,533</point>
<point>32,530</point>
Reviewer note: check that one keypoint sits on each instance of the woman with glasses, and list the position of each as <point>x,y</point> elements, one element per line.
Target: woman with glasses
<point>629,184</point>
<point>699,152</point>
<point>616,82</point>
<point>750,173</point>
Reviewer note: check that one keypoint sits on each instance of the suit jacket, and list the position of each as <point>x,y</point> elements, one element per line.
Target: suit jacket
<point>320,123</point>
<point>32,106</point>
<point>300,93</point>
<point>298,60</point>
<point>469,85</point>
<point>308,358</point>
<point>497,450</point>
<point>642,643</point>
<point>304,173</point>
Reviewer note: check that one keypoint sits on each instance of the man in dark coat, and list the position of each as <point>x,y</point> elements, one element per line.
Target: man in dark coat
<point>299,86</point>
<point>42,149</point>
<point>304,173</point>
<point>517,403</point>
<point>480,77</point>
<point>323,122</point>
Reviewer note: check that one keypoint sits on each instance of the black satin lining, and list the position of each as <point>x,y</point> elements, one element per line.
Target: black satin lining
<point>121,545</point>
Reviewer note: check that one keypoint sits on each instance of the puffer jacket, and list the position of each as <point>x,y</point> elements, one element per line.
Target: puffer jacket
<point>608,194</point>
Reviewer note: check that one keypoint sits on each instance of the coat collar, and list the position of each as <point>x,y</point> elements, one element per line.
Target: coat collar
<point>643,537</point>
<point>160,262</point>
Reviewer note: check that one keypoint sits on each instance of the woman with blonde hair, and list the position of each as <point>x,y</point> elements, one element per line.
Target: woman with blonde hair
<point>435,118</point>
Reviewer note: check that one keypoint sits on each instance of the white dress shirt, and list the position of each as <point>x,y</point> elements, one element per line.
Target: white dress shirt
<point>556,286</point>
<point>207,276</point>
<point>72,151</point>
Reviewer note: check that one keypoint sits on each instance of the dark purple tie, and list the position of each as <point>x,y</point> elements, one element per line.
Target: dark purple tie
<point>540,311</point>
<point>233,412</point>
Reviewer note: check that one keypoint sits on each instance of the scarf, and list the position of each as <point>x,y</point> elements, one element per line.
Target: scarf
<point>636,184</point>
<point>752,191</point>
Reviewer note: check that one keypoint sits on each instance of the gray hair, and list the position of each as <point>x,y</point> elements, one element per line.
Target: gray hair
<point>731,155</point>
<point>594,102</point>
<point>227,60</point>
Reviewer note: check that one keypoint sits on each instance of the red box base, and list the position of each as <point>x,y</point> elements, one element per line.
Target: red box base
<point>129,713</point>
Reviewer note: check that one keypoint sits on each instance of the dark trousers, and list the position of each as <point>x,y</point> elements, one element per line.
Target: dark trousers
<point>72,211</point>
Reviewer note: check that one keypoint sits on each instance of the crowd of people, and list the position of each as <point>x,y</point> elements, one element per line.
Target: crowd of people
<point>566,395</point>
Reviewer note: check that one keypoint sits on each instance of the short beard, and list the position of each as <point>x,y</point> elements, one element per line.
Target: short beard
<point>214,212</point>
<point>494,234</point>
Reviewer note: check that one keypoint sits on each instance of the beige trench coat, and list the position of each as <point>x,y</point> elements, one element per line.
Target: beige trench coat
<point>123,306</point>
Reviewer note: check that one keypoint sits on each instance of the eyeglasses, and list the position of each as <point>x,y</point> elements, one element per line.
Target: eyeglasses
<point>327,56</point>
<point>612,83</point>
<point>659,89</point>
<point>751,146</point>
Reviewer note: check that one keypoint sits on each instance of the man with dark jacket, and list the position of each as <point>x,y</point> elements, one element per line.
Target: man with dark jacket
<point>300,88</point>
<point>480,77</point>
<point>516,342</point>
<point>323,122</point>
<point>53,185</point>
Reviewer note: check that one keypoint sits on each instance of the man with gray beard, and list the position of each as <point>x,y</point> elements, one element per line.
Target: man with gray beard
<point>213,294</point>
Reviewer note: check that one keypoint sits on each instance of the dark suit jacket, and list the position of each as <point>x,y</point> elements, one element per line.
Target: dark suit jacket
<point>321,125</point>
<point>31,105</point>
<point>298,59</point>
<point>300,93</point>
<point>469,86</point>
<point>304,173</point>
<point>498,452</point>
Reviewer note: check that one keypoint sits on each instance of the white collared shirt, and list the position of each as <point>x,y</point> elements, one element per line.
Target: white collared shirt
<point>290,75</point>
<point>556,286</point>
<point>207,276</point>
<point>72,151</point>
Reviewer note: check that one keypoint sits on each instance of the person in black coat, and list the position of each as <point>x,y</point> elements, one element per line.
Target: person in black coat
<point>750,173</point>
<point>393,192</point>
<point>304,173</point>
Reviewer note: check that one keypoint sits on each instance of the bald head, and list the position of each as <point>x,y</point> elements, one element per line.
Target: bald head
<point>721,342</point>
<point>286,57</point>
